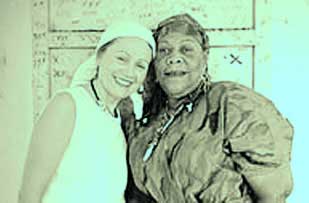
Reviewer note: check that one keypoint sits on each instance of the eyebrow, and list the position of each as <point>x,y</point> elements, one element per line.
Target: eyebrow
<point>163,41</point>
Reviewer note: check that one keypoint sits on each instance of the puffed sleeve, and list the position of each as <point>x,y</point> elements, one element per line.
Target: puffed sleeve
<point>257,137</point>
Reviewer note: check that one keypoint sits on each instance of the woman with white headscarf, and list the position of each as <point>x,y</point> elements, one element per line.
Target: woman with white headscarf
<point>78,150</point>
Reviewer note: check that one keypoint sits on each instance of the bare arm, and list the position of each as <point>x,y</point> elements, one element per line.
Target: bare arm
<point>50,137</point>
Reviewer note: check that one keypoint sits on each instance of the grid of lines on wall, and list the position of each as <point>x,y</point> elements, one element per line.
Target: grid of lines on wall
<point>65,34</point>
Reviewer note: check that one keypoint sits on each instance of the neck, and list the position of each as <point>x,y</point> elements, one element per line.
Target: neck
<point>173,103</point>
<point>109,101</point>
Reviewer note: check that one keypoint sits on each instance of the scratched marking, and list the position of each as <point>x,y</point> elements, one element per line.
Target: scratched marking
<point>235,59</point>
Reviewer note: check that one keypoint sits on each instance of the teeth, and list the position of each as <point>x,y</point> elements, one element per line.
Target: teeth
<point>123,82</point>
<point>175,73</point>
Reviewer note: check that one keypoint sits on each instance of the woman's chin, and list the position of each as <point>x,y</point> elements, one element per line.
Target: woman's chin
<point>178,91</point>
<point>177,94</point>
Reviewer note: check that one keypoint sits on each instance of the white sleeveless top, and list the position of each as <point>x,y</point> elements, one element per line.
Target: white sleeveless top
<point>93,168</point>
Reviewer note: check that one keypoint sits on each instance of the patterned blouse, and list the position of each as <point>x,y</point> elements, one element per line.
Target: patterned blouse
<point>204,151</point>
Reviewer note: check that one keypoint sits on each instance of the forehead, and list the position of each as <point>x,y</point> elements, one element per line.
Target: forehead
<point>175,38</point>
<point>130,43</point>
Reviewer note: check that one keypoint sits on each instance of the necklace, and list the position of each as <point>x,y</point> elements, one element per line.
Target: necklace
<point>170,118</point>
<point>160,131</point>
<point>98,101</point>
<point>95,93</point>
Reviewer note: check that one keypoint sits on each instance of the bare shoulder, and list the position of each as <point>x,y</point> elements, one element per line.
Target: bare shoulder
<point>62,105</point>
<point>60,112</point>
<point>50,138</point>
<point>53,131</point>
<point>55,126</point>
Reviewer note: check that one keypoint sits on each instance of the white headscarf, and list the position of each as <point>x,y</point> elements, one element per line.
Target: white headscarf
<point>87,70</point>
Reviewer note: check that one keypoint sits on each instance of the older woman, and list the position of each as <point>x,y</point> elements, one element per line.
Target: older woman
<point>78,151</point>
<point>202,142</point>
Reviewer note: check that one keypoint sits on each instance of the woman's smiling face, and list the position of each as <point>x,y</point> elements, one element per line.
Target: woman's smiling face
<point>123,66</point>
<point>179,64</point>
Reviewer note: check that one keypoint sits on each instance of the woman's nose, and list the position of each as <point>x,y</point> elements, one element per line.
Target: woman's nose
<point>175,60</point>
<point>131,71</point>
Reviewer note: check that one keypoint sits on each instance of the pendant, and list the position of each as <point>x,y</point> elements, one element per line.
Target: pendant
<point>189,107</point>
<point>149,151</point>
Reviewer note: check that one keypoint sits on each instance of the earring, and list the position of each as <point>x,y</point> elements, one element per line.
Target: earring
<point>140,89</point>
<point>206,80</point>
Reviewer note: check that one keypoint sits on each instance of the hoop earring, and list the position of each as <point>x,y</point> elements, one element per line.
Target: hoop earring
<point>141,89</point>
